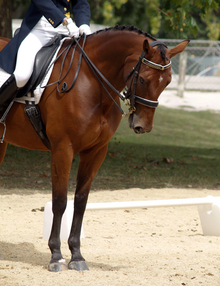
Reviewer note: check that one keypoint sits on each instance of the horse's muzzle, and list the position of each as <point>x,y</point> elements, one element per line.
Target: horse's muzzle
<point>138,126</point>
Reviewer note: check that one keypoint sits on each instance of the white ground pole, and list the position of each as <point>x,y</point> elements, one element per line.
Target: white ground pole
<point>208,207</point>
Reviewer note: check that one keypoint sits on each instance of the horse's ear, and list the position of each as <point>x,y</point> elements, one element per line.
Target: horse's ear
<point>178,49</point>
<point>147,47</point>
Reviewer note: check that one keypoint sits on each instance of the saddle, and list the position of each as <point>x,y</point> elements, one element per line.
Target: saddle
<point>42,62</point>
<point>42,66</point>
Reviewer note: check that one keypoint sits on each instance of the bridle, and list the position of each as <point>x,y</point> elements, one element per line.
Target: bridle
<point>128,94</point>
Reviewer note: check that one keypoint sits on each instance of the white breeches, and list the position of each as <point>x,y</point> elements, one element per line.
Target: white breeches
<point>39,36</point>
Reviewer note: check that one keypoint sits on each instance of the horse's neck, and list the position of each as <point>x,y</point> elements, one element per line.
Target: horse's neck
<point>3,42</point>
<point>109,52</point>
<point>116,47</point>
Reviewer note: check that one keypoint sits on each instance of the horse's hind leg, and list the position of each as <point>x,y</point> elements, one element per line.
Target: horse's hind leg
<point>61,161</point>
<point>88,167</point>
<point>3,147</point>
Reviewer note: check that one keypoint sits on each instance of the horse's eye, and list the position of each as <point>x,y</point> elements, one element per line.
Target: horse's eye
<point>142,81</point>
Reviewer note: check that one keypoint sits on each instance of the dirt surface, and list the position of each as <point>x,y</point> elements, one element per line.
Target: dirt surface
<point>154,246</point>
<point>191,100</point>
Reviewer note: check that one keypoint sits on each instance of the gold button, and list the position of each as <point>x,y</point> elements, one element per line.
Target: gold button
<point>65,9</point>
<point>52,22</point>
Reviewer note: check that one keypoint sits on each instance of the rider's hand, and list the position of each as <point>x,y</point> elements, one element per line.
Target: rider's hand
<point>84,29</point>
<point>71,27</point>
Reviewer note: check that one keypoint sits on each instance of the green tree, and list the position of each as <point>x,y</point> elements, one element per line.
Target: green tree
<point>5,18</point>
<point>212,21</point>
<point>182,17</point>
<point>163,18</point>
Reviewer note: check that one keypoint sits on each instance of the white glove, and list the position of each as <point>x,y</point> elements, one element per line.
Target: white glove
<point>84,29</point>
<point>72,28</point>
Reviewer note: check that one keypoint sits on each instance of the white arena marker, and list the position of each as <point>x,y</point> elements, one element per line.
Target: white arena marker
<point>209,212</point>
<point>65,224</point>
<point>150,204</point>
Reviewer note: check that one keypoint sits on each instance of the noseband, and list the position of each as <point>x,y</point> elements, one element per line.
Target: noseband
<point>134,75</point>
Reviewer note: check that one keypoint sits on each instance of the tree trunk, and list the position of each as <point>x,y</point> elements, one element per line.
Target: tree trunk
<point>5,18</point>
<point>182,73</point>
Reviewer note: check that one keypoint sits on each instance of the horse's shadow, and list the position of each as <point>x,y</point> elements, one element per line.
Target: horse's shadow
<point>25,253</point>
<point>105,267</point>
<point>28,254</point>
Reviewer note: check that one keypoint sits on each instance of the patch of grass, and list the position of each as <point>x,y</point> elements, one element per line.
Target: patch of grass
<point>182,150</point>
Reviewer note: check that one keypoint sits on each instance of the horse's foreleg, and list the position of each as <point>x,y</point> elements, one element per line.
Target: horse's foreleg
<point>60,169</point>
<point>88,167</point>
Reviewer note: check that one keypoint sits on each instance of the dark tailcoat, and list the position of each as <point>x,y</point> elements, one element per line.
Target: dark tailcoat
<point>54,11</point>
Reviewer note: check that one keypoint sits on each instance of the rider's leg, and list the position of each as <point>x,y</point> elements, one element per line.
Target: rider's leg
<point>8,90</point>
<point>24,67</point>
<point>40,35</point>
<point>25,59</point>
<point>35,40</point>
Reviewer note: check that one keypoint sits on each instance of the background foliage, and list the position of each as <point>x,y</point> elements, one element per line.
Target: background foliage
<point>161,18</point>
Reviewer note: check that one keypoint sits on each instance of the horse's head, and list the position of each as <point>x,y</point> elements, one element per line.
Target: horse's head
<point>146,80</point>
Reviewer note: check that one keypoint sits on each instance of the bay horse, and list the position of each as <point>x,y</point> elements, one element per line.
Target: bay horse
<point>83,120</point>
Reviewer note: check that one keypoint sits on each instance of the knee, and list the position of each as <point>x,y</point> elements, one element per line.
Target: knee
<point>21,79</point>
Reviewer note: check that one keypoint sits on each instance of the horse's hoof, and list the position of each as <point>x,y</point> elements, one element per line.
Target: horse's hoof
<point>57,266</point>
<point>78,265</point>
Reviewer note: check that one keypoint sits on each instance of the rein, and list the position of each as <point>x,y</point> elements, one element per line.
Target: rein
<point>127,94</point>
<point>65,52</point>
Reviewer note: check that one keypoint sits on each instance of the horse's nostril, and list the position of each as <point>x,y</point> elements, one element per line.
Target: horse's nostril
<point>138,130</point>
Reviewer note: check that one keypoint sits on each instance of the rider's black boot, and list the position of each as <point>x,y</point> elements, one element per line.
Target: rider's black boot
<point>8,90</point>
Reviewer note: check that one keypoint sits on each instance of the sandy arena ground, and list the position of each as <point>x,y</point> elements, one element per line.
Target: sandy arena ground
<point>156,246</point>
<point>192,100</point>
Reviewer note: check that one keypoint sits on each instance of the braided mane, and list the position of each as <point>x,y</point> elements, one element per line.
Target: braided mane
<point>126,28</point>
<point>137,30</point>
